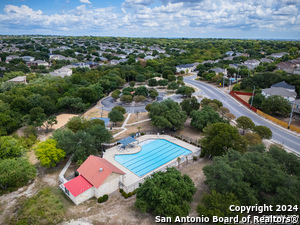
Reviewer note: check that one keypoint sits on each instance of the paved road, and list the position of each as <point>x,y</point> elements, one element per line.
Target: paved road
<point>279,134</point>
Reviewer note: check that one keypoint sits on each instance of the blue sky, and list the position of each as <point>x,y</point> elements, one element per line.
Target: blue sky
<point>275,19</point>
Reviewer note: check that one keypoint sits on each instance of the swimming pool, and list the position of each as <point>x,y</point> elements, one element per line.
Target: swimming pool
<point>154,154</point>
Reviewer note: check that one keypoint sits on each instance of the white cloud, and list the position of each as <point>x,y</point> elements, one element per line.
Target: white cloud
<point>168,17</point>
<point>85,1</point>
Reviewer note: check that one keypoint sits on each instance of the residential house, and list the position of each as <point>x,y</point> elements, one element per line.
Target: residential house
<point>97,177</point>
<point>229,53</point>
<point>187,68</point>
<point>27,58</point>
<point>62,72</point>
<point>266,60</point>
<point>92,65</point>
<point>297,71</point>
<point>208,61</point>
<point>296,62</point>
<point>219,71</point>
<point>39,63</point>
<point>251,63</point>
<point>79,65</point>
<point>11,57</point>
<point>233,66</point>
<point>283,92</point>
<point>285,85</point>
<point>18,80</point>
<point>288,67</point>
<point>278,55</point>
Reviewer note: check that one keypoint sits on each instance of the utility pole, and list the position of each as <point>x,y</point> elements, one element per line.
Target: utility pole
<point>291,114</point>
<point>252,97</point>
<point>223,80</point>
<point>229,85</point>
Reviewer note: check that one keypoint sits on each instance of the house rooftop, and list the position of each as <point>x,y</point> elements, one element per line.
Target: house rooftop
<point>279,91</point>
<point>283,84</point>
<point>78,185</point>
<point>96,170</point>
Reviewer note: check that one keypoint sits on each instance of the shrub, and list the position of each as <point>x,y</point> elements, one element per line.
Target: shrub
<point>105,198</point>
<point>134,192</point>
<point>129,194</point>
<point>125,195</point>
<point>195,158</point>
<point>142,133</point>
<point>121,190</point>
<point>100,200</point>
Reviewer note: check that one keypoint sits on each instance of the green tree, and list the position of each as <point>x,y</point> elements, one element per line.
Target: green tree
<point>173,86</point>
<point>77,123</point>
<point>206,101</point>
<point>166,73</point>
<point>257,100</point>
<point>153,93</point>
<point>15,172</point>
<point>35,117</point>
<point>50,121</point>
<point>161,194</point>
<point>245,123</point>
<point>72,104</point>
<point>185,91</point>
<point>88,95</point>
<point>126,98</point>
<point>100,134</point>
<point>216,204</point>
<point>276,104</point>
<point>189,104</point>
<point>140,78</point>
<point>132,83</point>
<point>263,131</point>
<point>48,154</point>
<point>233,172</point>
<point>220,138</point>
<point>152,82</point>
<point>10,148</point>
<point>119,108</point>
<point>167,114</point>
<point>148,107</point>
<point>116,116</point>
<point>115,94</point>
<point>142,90</point>
<point>171,78</point>
<point>253,139</point>
<point>163,82</point>
<point>205,116</point>
<point>139,98</point>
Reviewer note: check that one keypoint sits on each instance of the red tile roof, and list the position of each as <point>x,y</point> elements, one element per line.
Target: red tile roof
<point>78,185</point>
<point>90,170</point>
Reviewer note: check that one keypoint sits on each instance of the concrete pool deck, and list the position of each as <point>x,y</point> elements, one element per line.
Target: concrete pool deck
<point>130,177</point>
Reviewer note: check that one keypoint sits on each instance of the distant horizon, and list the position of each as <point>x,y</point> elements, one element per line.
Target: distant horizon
<point>226,19</point>
<point>61,35</point>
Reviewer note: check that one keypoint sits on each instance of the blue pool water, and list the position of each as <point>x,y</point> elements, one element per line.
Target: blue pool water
<point>154,154</point>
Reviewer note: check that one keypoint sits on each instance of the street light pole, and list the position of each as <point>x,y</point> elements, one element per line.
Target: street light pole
<point>223,80</point>
<point>229,84</point>
<point>291,114</point>
<point>252,97</point>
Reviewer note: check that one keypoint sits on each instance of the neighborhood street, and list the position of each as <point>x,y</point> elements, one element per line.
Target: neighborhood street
<point>279,134</point>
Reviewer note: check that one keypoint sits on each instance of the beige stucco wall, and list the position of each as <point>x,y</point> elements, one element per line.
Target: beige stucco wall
<point>110,185</point>
<point>83,196</point>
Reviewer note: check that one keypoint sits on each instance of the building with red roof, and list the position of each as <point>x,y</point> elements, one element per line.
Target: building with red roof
<point>97,177</point>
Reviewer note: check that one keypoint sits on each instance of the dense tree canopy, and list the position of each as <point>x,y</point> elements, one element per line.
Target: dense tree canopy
<point>245,123</point>
<point>15,172</point>
<point>48,154</point>
<point>276,104</point>
<point>167,114</point>
<point>205,116</point>
<point>161,194</point>
<point>190,104</point>
<point>267,185</point>
<point>220,138</point>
